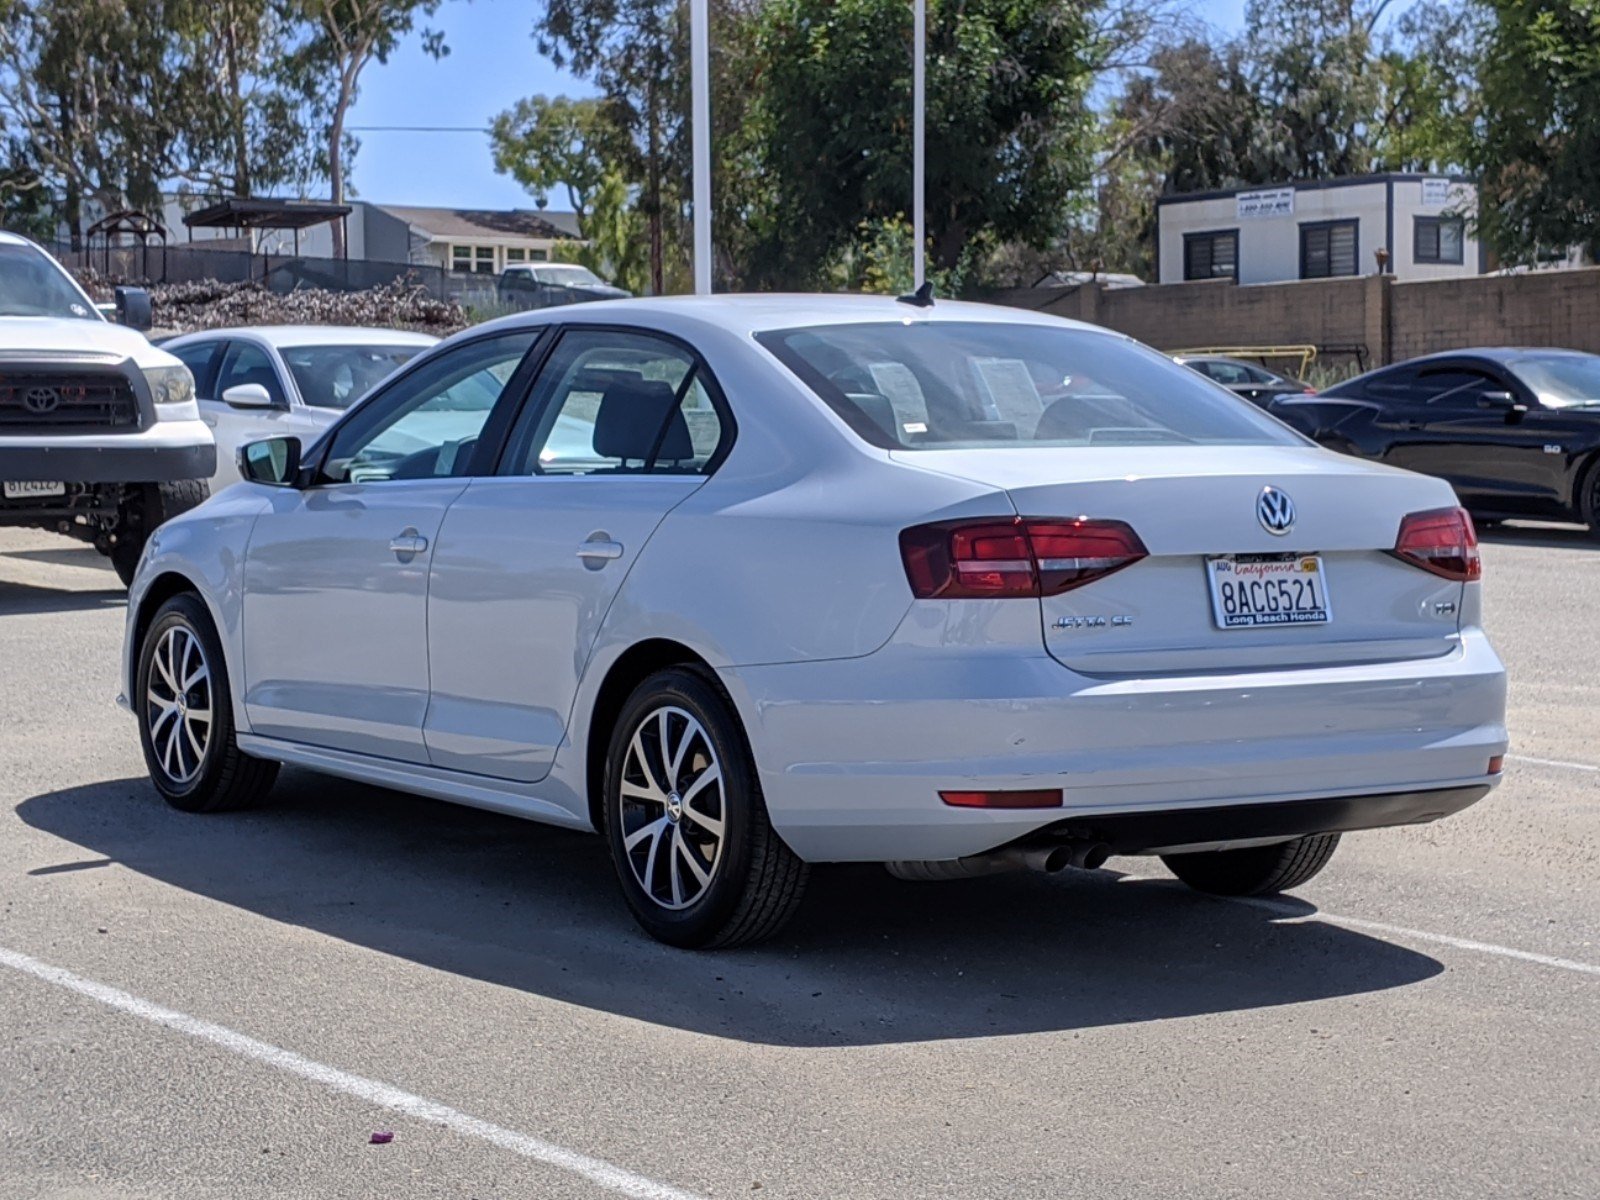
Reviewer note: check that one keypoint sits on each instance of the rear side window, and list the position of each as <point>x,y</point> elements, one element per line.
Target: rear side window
<point>944,385</point>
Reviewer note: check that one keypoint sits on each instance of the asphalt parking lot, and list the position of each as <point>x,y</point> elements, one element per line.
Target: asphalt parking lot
<point>231,1006</point>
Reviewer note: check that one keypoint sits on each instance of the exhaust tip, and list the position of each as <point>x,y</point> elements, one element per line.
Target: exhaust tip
<point>1094,856</point>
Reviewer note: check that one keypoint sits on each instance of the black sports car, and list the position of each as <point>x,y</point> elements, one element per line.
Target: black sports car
<point>1250,380</point>
<point>1516,431</point>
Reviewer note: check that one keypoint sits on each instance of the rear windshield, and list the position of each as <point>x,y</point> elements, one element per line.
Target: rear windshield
<point>949,385</point>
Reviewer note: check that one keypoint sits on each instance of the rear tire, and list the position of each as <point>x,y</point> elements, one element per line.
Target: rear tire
<point>1588,504</point>
<point>143,515</point>
<point>185,711</point>
<point>1256,870</point>
<point>694,850</point>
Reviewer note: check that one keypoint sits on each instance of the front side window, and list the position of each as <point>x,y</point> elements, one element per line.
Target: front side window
<point>614,402</point>
<point>1211,255</point>
<point>1438,239</point>
<point>1457,386</point>
<point>338,376</point>
<point>426,426</point>
<point>32,285</point>
<point>248,363</point>
<point>956,384</point>
<point>1328,249</point>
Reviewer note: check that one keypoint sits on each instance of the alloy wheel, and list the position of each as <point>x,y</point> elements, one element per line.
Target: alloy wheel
<point>673,808</point>
<point>178,704</point>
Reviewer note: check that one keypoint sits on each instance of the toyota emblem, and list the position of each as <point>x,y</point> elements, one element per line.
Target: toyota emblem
<point>41,400</point>
<point>1275,511</point>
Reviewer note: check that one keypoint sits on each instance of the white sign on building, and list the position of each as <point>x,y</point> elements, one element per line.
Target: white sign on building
<point>1435,193</point>
<point>1275,202</point>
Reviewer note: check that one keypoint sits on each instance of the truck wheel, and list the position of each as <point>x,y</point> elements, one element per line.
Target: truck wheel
<point>1256,870</point>
<point>144,513</point>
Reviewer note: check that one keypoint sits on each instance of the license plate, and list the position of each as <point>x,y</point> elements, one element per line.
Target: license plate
<point>1252,590</point>
<point>27,490</point>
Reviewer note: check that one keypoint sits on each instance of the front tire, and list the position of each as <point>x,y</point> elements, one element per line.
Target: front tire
<point>1589,497</point>
<point>154,504</point>
<point>185,711</point>
<point>1255,870</point>
<point>694,850</point>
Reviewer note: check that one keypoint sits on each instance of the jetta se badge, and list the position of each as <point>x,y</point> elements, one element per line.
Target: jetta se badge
<point>1275,511</point>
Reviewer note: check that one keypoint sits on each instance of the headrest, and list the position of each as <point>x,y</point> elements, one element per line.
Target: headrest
<point>630,418</point>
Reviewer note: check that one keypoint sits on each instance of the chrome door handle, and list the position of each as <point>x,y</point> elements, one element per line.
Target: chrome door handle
<point>408,544</point>
<point>600,552</point>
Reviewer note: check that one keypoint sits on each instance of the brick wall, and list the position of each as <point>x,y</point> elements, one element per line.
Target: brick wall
<point>1544,308</point>
<point>1385,321</point>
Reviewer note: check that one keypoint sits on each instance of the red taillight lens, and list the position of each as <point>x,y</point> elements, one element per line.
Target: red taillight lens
<point>1443,541</point>
<point>1025,556</point>
<point>1044,798</point>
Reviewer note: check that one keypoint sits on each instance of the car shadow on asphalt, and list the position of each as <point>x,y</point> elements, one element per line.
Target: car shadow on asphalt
<point>18,599</point>
<point>870,959</point>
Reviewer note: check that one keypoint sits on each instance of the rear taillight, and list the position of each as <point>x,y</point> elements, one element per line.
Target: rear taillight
<point>1441,540</point>
<point>1025,556</point>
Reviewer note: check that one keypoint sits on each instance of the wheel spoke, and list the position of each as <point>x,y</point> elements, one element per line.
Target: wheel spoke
<point>650,864</point>
<point>675,874</point>
<point>194,743</point>
<point>652,829</point>
<point>686,852</point>
<point>198,676</point>
<point>653,789</point>
<point>163,667</point>
<point>663,735</point>
<point>202,715</point>
<point>167,707</point>
<point>690,729</point>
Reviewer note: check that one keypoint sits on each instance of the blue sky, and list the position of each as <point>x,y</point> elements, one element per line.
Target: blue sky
<point>492,64</point>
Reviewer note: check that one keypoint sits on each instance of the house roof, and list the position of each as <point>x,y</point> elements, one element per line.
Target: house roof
<point>466,223</point>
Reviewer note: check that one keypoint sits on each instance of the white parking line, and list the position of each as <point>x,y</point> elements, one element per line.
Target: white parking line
<point>1552,762</point>
<point>1422,935</point>
<point>612,1178</point>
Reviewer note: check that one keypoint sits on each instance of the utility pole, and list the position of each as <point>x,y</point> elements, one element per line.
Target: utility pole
<point>700,118</point>
<point>919,51</point>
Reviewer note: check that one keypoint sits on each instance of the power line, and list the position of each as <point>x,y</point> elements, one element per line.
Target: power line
<point>418,129</point>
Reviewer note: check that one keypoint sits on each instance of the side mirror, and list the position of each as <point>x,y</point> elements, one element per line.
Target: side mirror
<point>272,461</point>
<point>1497,400</point>
<point>133,308</point>
<point>247,395</point>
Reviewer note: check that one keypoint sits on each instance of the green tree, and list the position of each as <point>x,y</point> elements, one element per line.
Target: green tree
<point>342,37</point>
<point>1539,156</point>
<point>546,143</point>
<point>1008,125</point>
<point>636,53</point>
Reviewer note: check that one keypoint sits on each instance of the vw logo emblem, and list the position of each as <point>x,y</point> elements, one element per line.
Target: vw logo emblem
<point>41,400</point>
<point>1275,511</point>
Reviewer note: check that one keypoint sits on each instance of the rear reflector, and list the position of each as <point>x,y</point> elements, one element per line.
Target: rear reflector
<point>1443,541</point>
<point>1497,764</point>
<point>1024,556</point>
<point>1049,798</point>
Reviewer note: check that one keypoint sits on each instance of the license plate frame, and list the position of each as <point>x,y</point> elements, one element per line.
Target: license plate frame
<point>33,489</point>
<point>1268,591</point>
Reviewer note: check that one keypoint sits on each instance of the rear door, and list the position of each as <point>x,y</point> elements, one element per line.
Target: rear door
<point>622,426</point>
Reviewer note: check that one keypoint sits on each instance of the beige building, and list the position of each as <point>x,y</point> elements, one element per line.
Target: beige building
<point>480,240</point>
<point>1322,229</point>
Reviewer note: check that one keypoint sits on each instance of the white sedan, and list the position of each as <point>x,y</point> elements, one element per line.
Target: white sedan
<point>273,380</point>
<point>749,583</point>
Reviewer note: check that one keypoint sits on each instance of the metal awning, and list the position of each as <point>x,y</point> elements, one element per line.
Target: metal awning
<point>249,213</point>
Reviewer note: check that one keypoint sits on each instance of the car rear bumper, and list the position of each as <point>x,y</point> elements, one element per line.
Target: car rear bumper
<point>853,753</point>
<point>165,452</point>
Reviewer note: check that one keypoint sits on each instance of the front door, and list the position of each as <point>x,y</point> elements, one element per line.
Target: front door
<point>621,428</point>
<point>336,576</point>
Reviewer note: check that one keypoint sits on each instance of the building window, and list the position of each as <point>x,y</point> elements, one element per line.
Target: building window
<point>1213,255</point>
<point>516,254</point>
<point>538,256</point>
<point>1438,239</point>
<point>1328,248</point>
<point>472,258</point>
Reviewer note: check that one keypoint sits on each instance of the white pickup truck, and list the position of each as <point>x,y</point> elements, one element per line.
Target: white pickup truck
<point>100,436</point>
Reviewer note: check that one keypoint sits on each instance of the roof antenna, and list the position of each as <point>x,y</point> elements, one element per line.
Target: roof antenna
<point>921,298</point>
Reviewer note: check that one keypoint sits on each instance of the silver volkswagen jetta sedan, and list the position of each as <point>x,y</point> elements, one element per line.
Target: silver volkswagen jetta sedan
<point>749,583</point>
